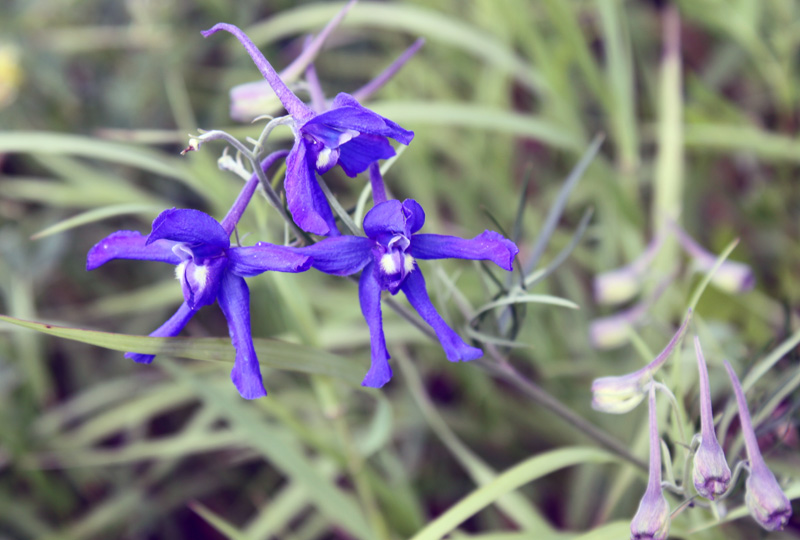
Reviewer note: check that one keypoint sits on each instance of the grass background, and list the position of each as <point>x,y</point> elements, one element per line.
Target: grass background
<point>98,97</point>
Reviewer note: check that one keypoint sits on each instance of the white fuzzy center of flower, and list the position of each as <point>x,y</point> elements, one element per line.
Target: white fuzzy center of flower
<point>200,276</point>
<point>390,263</point>
<point>180,271</point>
<point>323,158</point>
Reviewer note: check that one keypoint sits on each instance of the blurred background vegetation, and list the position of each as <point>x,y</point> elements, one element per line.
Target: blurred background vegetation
<point>97,98</point>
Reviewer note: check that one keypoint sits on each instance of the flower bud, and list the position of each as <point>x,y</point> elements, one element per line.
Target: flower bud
<point>622,284</point>
<point>711,473</point>
<point>732,277</point>
<point>651,521</point>
<point>612,331</point>
<point>618,395</point>
<point>765,500</point>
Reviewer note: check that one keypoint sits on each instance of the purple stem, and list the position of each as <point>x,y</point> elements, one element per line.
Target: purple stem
<point>376,180</point>
<point>296,108</point>
<point>375,84</point>
<point>235,213</point>
<point>663,355</point>
<point>654,482</point>
<point>706,415</point>
<point>750,441</point>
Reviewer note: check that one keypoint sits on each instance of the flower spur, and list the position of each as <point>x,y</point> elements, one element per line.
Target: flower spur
<point>348,135</point>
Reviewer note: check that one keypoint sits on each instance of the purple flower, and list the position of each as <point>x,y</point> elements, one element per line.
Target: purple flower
<point>711,473</point>
<point>651,521</point>
<point>348,135</point>
<point>209,270</point>
<point>767,503</point>
<point>387,257</point>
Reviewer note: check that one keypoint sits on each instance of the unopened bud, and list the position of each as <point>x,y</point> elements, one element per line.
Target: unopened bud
<point>731,276</point>
<point>623,393</point>
<point>765,499</point>
<point>711,473</point>
<point>651,521</point>
<point>620,285</point>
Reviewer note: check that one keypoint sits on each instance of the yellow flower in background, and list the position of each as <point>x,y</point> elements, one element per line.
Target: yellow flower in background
<point>10,74</point>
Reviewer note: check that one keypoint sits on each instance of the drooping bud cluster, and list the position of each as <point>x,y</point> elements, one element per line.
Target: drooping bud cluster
<point>711,474</point>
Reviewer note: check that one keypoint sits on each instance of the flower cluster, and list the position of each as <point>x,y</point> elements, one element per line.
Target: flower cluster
<point>340,133</point>
<point>710,472</point>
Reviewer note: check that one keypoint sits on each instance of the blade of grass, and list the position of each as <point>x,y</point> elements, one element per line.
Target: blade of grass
<point>511,479</point>
<point>98,214</point>
<point>271,352</point>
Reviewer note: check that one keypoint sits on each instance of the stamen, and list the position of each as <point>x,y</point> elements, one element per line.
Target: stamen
<point>388,264</point>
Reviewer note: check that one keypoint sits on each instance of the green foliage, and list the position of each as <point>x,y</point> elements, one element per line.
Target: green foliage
<point>96,101</point>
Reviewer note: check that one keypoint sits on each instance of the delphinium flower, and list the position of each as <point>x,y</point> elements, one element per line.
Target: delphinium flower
<point>209,269</point>
<point>731,276</point>
<point>347,135</point>
<point>651,521</point>
<point>622,393</point>
<point>711,473</point>
<point>387,258</point>
<point>765,500</point>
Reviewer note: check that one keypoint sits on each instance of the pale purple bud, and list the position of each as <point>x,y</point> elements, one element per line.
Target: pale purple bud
<point>613,330</point>
<point>731,276</point>
<point>765,500</point>
<point>620,285</point>
<point>651,521</point>
<point>622,393</point>
<point>711,473</point>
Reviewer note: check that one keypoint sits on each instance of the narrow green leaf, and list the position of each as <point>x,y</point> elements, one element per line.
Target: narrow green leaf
<point>478,116</point>
<point>97,214</point>
<point>561,202</point>
<point>529,299</point>
<point>742,139</point>
<point>513,478</point>
<point>271,352</point>
<point>60,143</point>
<point>701,287</point>
<point>222,526</point>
